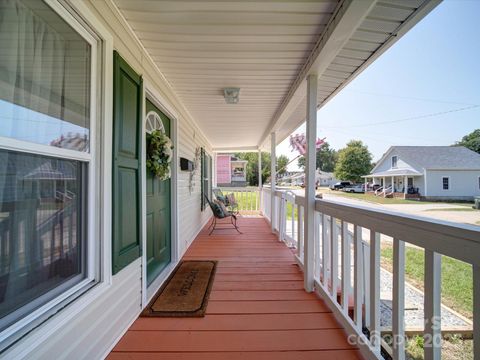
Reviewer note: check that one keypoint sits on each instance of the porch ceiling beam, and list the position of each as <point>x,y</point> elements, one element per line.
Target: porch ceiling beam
<point>235,149</point>
<point>347,18</point>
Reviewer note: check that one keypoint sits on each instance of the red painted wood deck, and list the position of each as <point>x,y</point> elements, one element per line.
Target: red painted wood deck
<point>257,308</point>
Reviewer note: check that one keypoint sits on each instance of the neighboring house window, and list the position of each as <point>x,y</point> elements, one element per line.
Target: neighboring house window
<point>445,183</point>
<point>47,169</point>
<point>394,161</point>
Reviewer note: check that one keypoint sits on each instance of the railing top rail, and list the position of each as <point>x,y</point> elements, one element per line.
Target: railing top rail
<point>459,241</point>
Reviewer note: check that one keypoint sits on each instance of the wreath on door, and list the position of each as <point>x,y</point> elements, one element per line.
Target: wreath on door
<point>159,147</point>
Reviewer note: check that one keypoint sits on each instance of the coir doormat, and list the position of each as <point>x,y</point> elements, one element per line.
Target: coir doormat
<point>186,292</point>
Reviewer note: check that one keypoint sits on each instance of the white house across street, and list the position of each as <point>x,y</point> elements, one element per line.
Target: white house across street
<point>427,172</point>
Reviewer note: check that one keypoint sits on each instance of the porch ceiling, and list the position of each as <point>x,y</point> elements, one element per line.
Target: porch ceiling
<point>266,48</point>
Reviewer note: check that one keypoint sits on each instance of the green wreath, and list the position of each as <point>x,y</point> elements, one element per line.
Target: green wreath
<point>159,154</point>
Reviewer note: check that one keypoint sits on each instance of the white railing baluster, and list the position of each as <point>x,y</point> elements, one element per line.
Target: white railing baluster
<point>281,224</point>
<point>325,242</point>
<point>300,232</point>
<point>375,290</point>
<point>293,220</point>
<point>346,268</point>
<point>358,275</point>
<point>366,283</point>
<point>318,219</point>
<point>476,311</point>
<point>250,193</point>
<point>432,305</point>
<point>398,303</point>
<point>334,257</point>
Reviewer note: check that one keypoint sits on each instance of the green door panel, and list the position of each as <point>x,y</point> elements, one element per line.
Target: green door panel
<point>126,171</point>
<point>159,244</point>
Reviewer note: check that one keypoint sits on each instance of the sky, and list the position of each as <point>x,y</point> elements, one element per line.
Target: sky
<point>424,90</point>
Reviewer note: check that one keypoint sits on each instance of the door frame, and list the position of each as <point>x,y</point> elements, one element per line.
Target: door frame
<point>163,105</point>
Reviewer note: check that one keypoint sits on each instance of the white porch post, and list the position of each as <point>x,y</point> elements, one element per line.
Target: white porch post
<point>366,186</point>
<point>384,186</point>
<point>309,222</point>
<point>393,184</point>
<point>405,185</point>
<point>260,179</point>
<point>273,176</point>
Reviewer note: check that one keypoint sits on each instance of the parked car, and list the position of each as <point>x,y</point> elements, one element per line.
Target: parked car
<point>358,188</point>
<point>340,185</point>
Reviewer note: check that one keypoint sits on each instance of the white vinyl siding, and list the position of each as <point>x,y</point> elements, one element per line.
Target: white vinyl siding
<point>105,312</point>
<point>387,163</point>
<point>463,184</point>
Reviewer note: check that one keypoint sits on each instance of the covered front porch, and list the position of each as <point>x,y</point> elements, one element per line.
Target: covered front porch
<point>257,308</point>
<point>405,184</point>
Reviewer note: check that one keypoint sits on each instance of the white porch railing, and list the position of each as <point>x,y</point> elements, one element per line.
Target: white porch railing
<point>338,239</point>
<point>247,198</point>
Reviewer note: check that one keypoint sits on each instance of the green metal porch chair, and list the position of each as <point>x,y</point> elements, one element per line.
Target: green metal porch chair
<point>219,213</point>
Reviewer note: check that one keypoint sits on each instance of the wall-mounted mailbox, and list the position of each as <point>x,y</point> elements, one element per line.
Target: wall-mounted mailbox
<point>186,165</point>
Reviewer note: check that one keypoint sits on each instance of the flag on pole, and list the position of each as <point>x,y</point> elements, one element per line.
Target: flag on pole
<point>299,142</point>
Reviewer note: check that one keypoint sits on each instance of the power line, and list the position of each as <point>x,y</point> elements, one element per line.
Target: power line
<point>408,97</point>
<point>407,119</point>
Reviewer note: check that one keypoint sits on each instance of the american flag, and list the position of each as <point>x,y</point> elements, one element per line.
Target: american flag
<point>299,142</point>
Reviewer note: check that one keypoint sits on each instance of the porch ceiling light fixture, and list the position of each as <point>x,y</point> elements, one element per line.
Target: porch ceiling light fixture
<point>232,95</point>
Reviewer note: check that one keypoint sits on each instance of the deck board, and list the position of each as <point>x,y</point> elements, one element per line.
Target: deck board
<point>257,308</point>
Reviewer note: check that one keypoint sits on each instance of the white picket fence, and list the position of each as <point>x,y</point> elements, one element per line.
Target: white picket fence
<point>340,239</point>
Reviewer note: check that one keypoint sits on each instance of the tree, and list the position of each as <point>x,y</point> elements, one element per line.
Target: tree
<point>325,160</point>
<point>282,162</point>
<point>471,141</point>
<point>353,161</point>
<point>252,166</point>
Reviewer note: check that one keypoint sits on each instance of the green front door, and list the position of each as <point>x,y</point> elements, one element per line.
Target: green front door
<point>159,243</point>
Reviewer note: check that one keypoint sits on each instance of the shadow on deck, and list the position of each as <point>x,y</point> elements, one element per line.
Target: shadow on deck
<point>257,308</point>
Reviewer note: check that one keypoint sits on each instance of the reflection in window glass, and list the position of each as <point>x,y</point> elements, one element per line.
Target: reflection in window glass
<point>41,237</point>
<point>44,77</point>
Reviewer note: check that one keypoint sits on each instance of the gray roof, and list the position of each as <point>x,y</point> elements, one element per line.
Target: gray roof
<point>438,157</point>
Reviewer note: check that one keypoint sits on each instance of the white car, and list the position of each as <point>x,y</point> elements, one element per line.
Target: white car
<point>359,188</point>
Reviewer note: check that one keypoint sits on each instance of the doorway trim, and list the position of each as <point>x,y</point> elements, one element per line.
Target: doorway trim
<point>163,105</point>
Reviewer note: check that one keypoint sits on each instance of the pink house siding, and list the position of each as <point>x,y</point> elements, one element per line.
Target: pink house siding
<point>223,169</point>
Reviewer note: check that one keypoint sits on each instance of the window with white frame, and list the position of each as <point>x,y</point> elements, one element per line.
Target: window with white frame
<point>47,166</point>
<point>394,161</point>
<point>445,183</point>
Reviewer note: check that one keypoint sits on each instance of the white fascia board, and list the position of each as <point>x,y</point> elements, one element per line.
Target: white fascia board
<point>344,22</point>
<point>235,149</point>
<point>320,62</point>
<point>447,169</point>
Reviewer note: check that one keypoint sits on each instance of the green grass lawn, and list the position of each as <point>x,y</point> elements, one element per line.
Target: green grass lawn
<point>457,293</point>
<point>457,277</point>
<point>370,198</point>
<point>382,200</point>
<point>245,200</point>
